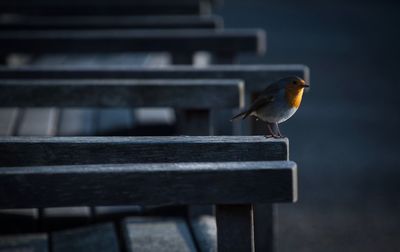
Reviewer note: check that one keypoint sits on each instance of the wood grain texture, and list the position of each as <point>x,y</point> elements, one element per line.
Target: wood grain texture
<point>256,77</point>
<point>148,184</point>
<point>122,93</point>
<point>111,41</point>
<point>110,22</point>
<point>235,228</point>
<point>38,151</point>
<point>95,238</point>
<point>157,234</point>
<point>25,242</point>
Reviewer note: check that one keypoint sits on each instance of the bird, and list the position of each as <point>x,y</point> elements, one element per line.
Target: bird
<point>276,103</point>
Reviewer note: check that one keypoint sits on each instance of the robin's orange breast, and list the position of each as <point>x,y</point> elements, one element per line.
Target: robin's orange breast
<point>294,96</point>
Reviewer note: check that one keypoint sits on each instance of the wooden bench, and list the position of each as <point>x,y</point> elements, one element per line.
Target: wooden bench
<point>237,176</point>
<point>256,78</point>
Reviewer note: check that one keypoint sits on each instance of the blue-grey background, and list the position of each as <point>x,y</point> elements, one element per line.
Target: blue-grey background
<point>345,136</point>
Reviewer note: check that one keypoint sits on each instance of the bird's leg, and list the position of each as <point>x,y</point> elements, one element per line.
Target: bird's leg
<point>271,132</point>
<point>278,131</point>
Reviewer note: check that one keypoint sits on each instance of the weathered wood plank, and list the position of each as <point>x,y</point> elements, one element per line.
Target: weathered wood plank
<point>157,234</point>
<point>96,238</point>
<point>235,231</point>
<point>109,22</point>
<point>25,242</point>
<point>148,184</point>
<point>204,231</point>
<point>76,122</point>
<point>114,122</point>
<point>8,118</point>
<point>38,122</point>
<point>57,218</point>
<point>111,41</point>
<point>29,151</point>
<point>256,77</point>
<point>122,93</point>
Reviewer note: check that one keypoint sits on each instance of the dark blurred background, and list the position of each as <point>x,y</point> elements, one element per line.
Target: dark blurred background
<point>345,136</point>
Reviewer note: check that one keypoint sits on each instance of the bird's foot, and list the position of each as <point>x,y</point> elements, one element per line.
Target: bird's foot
<point>272,136</point>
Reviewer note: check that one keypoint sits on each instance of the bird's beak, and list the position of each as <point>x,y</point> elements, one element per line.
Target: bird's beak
<point>304,84</point>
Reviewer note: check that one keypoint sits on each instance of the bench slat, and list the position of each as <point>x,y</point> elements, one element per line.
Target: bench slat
<point>25,242</point>
<point>36,151</point>
<point>122,93</point>
<point>8,117</point>
<point>157,234</point>
<point>116,7</point>
<point>148,184</point>
<point>256,77</point>
<point>38,122</point>
<point>111,41</point>
<point>96,238</point>
<point>110,22</point>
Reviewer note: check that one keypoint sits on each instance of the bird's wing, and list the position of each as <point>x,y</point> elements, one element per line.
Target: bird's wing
<point>259,102</point>
<point>266,96</point>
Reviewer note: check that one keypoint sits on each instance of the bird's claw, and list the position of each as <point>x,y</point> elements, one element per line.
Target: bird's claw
<point>275,136</point>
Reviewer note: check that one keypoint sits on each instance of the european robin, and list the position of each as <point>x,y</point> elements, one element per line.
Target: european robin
<point>277,103</point>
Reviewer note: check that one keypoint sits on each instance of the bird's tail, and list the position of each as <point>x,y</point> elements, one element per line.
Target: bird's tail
<point>242,114</point>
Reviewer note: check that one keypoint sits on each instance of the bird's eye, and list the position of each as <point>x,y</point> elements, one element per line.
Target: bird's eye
<point>294,82</point>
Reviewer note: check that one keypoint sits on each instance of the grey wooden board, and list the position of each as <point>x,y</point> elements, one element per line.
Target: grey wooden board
<point>119,7</point>
<point>148,184</point>
<point>8,118</point>
<point>234,228</point>
<point>110,22</point>
<point>38,122</point>
<point>57,218</point>
<point>256,77</point>
<point>111,121</point>
<point>122,93</point>
<point>25,242</point>
<point>76,122</point>
<point>109,41</point>
<point>205,232</point>
<point>95,238</point>
<point>151,234</point>
<point>36,151</point>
